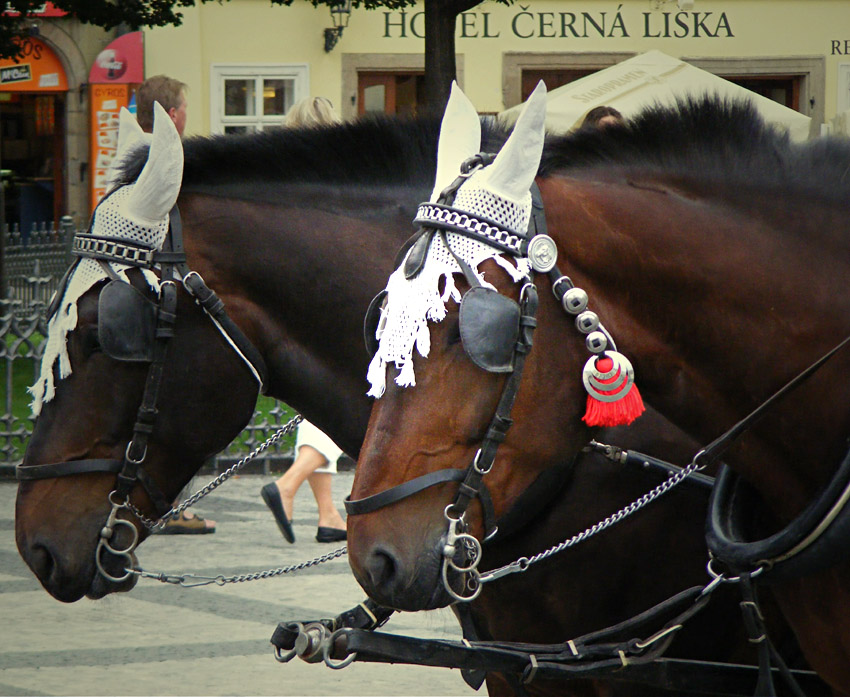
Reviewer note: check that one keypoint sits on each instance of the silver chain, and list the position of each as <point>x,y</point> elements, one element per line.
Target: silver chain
<point>155,525</point>
<point>193,580</point>
<point>190,580</point>
<point>523,563</point>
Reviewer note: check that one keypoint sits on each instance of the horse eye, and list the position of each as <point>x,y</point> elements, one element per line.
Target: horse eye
<point>453,333</point>
<point>91,344</point>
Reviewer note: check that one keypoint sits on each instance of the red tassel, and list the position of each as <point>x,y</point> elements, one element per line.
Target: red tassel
<point>620,412</point>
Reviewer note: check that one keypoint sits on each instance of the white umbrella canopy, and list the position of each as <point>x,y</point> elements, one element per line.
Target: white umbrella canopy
<point>652,78</point>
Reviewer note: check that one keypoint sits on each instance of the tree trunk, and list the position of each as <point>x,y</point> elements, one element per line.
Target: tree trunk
<point>440,65</point>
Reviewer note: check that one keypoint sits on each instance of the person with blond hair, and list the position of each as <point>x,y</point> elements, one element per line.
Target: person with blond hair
<point>316,454</point>
<point>311,111</point>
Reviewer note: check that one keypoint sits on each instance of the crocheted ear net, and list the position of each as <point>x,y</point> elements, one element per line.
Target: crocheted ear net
<point>111,219</point>
<point>411,304</point>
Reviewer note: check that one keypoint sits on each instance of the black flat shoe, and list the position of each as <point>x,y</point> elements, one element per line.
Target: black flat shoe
<point>330,535</point>
<point>271,496</point>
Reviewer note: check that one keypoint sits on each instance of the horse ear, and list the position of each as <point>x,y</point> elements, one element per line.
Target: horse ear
<point>129,131</point>
<point>514,169</point>
<point>158,186</point>
<point>460,138</point>
<point>130,134</point>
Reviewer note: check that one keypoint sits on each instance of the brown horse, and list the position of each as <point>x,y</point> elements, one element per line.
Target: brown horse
<point>296,231</point>
<point>716,254</point>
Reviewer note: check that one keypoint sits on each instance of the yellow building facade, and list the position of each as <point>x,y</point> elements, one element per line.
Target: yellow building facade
<point>246,61</point>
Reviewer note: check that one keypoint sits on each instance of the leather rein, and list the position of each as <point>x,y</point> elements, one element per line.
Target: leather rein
<point>173,267</point>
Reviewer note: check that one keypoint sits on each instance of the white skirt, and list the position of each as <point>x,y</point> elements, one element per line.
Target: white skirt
<point>308,434</point>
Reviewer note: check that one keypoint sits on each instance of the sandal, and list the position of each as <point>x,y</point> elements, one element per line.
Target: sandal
<point>187,526</point>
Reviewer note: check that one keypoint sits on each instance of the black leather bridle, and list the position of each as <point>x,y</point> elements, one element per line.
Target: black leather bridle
<point>462,551</point>
<point>170,259</point>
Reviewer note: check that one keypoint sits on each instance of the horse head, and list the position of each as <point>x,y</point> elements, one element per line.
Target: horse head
<point>458,311</point>
<point>131,375</point>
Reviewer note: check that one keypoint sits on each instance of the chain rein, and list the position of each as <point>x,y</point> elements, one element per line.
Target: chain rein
<point>189,580</point>
<point>155,525</point>
<point>523,563</point>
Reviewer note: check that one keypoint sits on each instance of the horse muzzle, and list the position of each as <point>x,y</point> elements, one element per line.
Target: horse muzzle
<point>403,579</point>
<point>71,564</point>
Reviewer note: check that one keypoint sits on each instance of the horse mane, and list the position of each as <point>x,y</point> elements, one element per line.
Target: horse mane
<point>707,142</point>
<point>372,150</point>
<point>711,140</point>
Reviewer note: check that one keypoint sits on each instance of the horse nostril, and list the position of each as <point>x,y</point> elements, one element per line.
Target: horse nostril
<point>42,562</point>
<point>381,567</point>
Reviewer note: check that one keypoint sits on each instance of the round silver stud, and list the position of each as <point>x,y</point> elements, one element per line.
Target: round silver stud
<point>575,301</point>
<point>596,342</point>
<point>542,253</point>
<point>587,322</point>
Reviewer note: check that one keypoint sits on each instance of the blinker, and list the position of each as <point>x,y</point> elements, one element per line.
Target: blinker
<point>489,329</point>
<point>126,323</point>
<point>417,255</point>
<point>374,321</point>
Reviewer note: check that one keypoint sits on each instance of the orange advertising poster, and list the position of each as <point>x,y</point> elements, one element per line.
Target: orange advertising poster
<point>106,102</point>
<point>38,70</point>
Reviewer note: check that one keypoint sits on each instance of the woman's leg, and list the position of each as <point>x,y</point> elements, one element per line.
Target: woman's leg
<point>307,461</point>
<point>329,517</point>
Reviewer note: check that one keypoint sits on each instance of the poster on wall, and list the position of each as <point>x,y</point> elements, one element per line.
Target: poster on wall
<point>116,73</point>
<point>106,103</point>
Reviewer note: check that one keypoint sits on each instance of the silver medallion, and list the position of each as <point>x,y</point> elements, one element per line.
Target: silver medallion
<point>595,380</point>
<point>542,253</point>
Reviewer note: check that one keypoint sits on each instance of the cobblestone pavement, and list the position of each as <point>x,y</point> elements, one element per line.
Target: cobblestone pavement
<point>165,640</point>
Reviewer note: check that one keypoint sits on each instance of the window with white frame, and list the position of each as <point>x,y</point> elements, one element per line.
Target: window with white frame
<point>248,98</point>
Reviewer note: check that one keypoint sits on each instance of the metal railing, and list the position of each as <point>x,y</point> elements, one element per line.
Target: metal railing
<point>31,270</point>
<point>33,263</point>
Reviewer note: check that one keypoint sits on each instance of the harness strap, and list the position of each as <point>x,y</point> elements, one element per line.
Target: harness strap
<point>414,486</point>
<point>473,678</point>
<point>138,446</point>
<point>64,469</point>
<point>641,461</point>
<point>501,421</point>
<point>717,447</point>
<point>214,306</point>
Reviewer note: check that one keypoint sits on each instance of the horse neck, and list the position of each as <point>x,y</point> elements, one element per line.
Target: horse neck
<point>297,276</point>
<point>717,307</point>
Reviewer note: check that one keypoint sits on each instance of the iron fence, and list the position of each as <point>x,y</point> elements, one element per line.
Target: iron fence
<point>33,262</point>
<point>32,267</point>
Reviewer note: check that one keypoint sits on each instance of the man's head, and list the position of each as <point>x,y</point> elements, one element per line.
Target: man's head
<point>602,117</point>
<point>170,93</point>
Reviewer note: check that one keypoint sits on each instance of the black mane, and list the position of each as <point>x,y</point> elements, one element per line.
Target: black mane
<point>708,140</point>
<point>372,150</point>
<point>711,140</point>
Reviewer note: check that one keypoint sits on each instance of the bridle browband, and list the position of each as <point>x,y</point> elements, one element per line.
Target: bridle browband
<point>172,263</point>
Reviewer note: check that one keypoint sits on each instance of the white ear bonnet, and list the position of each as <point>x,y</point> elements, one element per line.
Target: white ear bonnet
<point>137,213</point>
<point>500,192</point>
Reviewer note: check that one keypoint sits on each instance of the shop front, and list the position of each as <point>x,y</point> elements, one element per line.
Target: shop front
<point>33,92</point>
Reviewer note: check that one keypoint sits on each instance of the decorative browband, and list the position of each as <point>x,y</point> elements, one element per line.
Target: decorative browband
<point>448,218</point>
<point>108,249</point>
